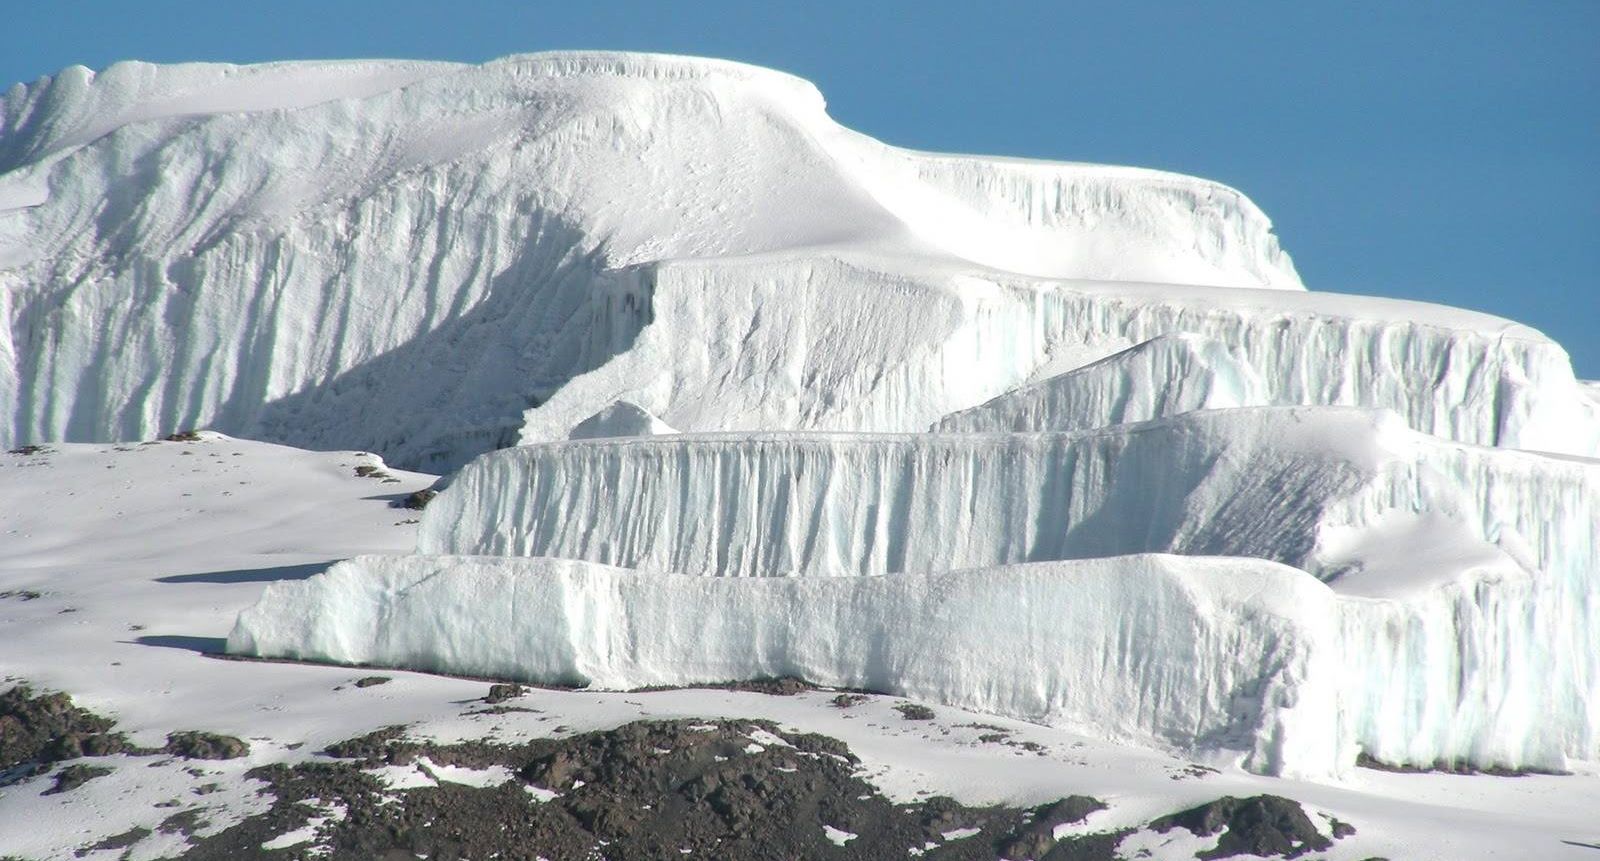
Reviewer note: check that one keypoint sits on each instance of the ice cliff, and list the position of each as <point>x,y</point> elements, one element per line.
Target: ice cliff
<point>736,391</point>
<point>405,256</point>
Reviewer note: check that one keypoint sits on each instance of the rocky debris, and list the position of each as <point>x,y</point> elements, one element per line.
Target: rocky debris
<point>192,744</point>
<point>38,730</point>
<point>501,693</point>
<point>845,701</point>
<point>1037,838</point>
<point>740,790</point>
<point>116,841</point>
<point>74,776</point>
<point>1263,825</point>
<point>371,681</point>
<point>28,450</point>
<point>781,686</point>
<point>914,711</point>
<point>417,499</point>
<point>367,470</point>
<point>726,789</point>
<point>22,594</point>
<point>777,686</point>
<point>1445,766</point>
<point>183,436</point>
<point>377,745</point>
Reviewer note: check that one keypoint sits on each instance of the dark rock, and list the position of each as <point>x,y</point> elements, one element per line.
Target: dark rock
<point>914,711</point>
<point>117,841</point>
<point>418,499</point>
<point>844,701</point>
<point>27,450</point>
<point>501,693</point>
<point>47,728</point>
<point>1447,766</point>
<point>183,436</point>
<point>1037,838</point>
<point>646,790</point>
<point>205,745</point>
<point>1264,825</point>
<point>74,776</point>
<point>185,822</point>
<point>370,681</point>
<point>782,686</point>
<point>374,746</point>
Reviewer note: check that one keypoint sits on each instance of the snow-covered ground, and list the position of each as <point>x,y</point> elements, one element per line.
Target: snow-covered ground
<point>723,390</point>
<point>144,554</point>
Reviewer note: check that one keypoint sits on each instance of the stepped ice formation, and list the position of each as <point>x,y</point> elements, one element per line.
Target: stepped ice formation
<point>1166,650</point>
<point>733,391</point>
<point>275,251</point>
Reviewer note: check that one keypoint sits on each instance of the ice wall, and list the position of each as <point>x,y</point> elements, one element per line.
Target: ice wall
<point>1206,656</point>
<point>1261,482</point>
<point>1242,482</point>
<point>862,343</point>
<point>1165,376</point>
<point>441,254</point>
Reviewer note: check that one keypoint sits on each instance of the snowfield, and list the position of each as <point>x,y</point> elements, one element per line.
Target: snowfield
<point>718,391</point>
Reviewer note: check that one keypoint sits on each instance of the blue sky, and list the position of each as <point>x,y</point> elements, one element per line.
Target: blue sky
<point>1444,151</point>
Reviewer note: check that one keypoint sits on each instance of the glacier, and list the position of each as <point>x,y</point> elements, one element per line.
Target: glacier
<point>1446,592</point>
<point>205,245</point>
<point>1224,646</point>
<point>725,389</point>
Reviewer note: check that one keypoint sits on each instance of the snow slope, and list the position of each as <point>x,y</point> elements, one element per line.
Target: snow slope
<point>275,250</point>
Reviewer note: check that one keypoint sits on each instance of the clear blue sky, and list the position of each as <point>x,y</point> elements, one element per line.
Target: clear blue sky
<point>1446,151</point>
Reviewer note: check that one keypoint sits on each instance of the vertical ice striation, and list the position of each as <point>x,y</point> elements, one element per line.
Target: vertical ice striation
<point>862,343</point>
<point>1205,656</point>
<point>1165,376</point>
<point>405,257</point>
<point>1245,482</point>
